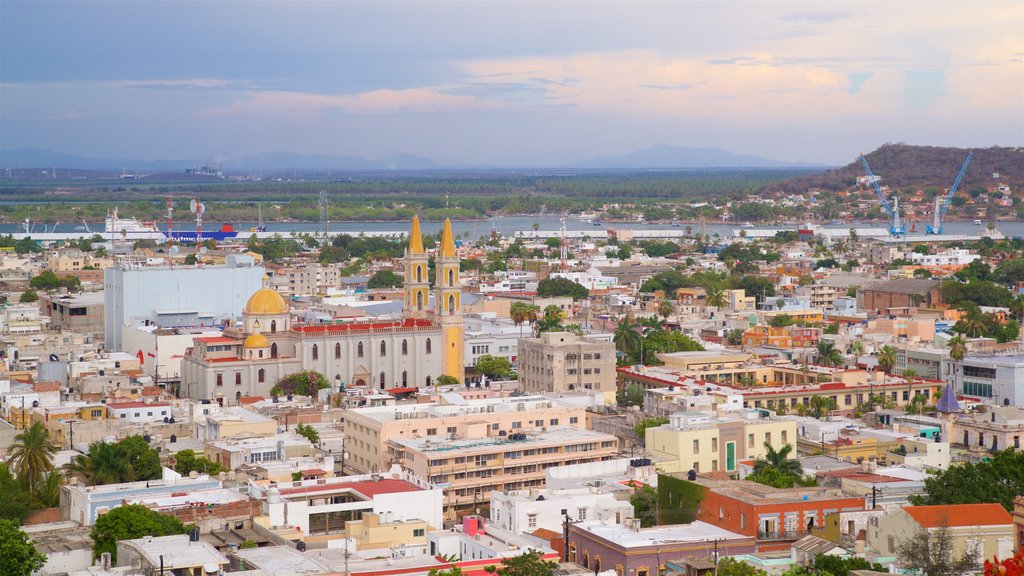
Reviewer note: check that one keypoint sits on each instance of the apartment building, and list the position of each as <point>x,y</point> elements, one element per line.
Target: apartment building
<point>524,511</point>
<point>563,362</point>
<point>986,530</point>
<point>990,428</point>
<point>705,442</point>
<point>781,337</point>
<point>368,430</point>
<point>481,458</point>
<point>305,279</point>
<point>83,504</point>
<point>997,379</point>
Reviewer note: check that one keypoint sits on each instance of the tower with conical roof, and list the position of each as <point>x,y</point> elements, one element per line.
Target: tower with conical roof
<point>417,280</point>
<point>448,304</point>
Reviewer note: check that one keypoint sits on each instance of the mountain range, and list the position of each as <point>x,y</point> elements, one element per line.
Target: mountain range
<point>660,156</point>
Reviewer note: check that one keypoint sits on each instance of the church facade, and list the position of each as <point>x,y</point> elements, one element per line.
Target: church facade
<point>409,352</point>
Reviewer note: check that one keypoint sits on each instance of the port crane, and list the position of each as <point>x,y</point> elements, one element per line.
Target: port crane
<point>893,210</point>
<point>940,212</point>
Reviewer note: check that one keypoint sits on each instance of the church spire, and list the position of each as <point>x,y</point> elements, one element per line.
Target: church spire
<point>416,237</point>
<point>447,244</point>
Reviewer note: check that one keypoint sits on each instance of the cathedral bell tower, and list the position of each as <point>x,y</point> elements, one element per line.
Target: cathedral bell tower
<point>448,304</point>
<point>417,281</point>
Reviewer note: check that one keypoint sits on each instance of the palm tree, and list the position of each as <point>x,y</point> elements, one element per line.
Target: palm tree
<point>46,492</point>
<point>1017,307</point>
<point>858,350</point>
<point>104,464</point>
<point>828,355</point>
<point>519,314</point>
<point>532,314</point>
<point>957,352</point>
<point>715,296</point>
<point>665,309</point>
<point>972,323</point>
<point>887,358</point>
<point>779,460</point>
<point>626,338</point>
<point>32,453</point>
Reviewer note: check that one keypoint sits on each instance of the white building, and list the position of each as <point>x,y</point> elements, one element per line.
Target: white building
<point>139,412</point>
<point>523,511</point>
<point>320,507</point>
<point>215,292</point>
<point>83,504</point>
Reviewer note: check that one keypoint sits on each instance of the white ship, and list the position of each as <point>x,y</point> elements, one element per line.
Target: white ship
<point>114,224</point>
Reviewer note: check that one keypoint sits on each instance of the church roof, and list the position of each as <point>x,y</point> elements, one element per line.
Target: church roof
<point>256,341</point>
<point>416,237</point>
<point>447,243</point>
<point>948,404</point>
<point>266,301</point>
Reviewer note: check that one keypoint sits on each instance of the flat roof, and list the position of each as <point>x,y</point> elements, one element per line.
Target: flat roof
<point>177,552</point>
<point>661,535</point>
<point>559,434</point>
<point>367,488</point>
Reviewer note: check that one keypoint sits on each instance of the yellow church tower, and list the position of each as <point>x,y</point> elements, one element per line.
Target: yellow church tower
<point>417,281</point>
<point>448,304</point>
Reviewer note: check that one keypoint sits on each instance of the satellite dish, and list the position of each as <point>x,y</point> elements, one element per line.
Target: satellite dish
<point>173,251</point>
<point>193,205</point>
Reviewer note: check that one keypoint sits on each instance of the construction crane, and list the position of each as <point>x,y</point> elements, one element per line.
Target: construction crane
<point>893,210</point>
<point>940,212</point>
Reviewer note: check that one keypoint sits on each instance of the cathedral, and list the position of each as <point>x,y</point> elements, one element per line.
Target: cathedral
<point>409,352</point>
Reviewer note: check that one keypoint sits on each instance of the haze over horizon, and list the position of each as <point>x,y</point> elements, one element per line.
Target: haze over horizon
<point>507,84</point>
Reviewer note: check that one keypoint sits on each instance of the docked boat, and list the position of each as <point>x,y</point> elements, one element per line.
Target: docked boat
<point>977,222</point>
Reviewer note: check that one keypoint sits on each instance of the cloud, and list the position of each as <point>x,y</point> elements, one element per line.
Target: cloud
<point>187,84</point>
<point>76,115</point>
<point>857,80</point>
<point>822,17</point>
<point>371,102</point>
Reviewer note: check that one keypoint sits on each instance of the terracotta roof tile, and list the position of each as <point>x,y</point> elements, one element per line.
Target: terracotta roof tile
<point>960,515</point>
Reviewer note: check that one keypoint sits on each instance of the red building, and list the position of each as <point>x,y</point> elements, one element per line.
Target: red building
<point>776,517</point>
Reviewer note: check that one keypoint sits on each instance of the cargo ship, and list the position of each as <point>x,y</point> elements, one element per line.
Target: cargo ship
<point>226,232</point>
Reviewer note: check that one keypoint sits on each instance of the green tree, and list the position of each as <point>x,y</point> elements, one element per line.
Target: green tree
<point>18,555</point>
<point>665,309</point>
<point>999,479</point>
<point>186,462</point>
<point>309,433</point>
<point>32,453</point>
<point>645,505</point>
<point>446,380</point>
<point>821,406</point>
<point>531,563</point>
<point>27,246</point>
<point>628,338</point>
<point>129,460</point>
<point>15,501</point>
<point>649,422</point>
<point>127,523</point>
<point>305,383</point>
<point>384,279</point>
<point>777,468</point>
<point>554,287</point>
<point>886,358</point>
<point>495,367</point>
<point>781,321</point>
<point>715,296</point>
<point>826,565</point>
<point>454,570</point>
<point>551,321</point>
<point>828,355</point>
<point>632,395</point>
<point>28,296</point>
<point>930,553</point>
<point>143,461</point>
<point>46,492</point>
<point>729,566</point>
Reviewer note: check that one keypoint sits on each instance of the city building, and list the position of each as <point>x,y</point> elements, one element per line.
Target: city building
<point>706,442</point>
<point>179,554</point>
<point>986,530</point>
<point>368,430</point>
<point>901,293</point>
<point>411,351</point>
<point>216,293</point>
<point>83,504</point>
<point>524,511</point>
<point>635,551</point>
<point>997,379</point>
<point>564,362</point>
<point>479,458</point>
<point>990,428</point>
<point>139,411</point>
<point>81,312</point>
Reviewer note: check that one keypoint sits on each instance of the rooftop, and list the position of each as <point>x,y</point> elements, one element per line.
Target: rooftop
<point>175,552</point>
<point>953,515</point>
<point>553,435</point>
<point>367,488</point>
<point>660,535</point>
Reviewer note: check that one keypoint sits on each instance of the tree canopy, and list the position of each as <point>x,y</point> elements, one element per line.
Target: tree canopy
<point>495,367</point>
<point>552,287</point>
<point>385,279</point>
<point>18,556</point>
<point>129,522</point>
<point>999,479</point>
<point>305,383</point>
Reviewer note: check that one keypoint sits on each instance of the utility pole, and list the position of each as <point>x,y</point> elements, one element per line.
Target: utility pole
<point>875,491</point>
<point>71,433</point>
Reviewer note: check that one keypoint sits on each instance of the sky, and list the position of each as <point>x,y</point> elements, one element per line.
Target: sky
<point>508,83</point>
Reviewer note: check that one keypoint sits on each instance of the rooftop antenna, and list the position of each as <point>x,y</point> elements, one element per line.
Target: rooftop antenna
<point>170,222</point>
<point>197,208</point>
<point>564,249</point>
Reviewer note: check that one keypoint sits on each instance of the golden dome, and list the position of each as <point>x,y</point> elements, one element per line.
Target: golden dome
<point>256,341</point>
<point>266,301</point>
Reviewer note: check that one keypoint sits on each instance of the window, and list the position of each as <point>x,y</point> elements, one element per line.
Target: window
<point>261,376</point>
<point>238,378</point>
<point>979,372</point>
<point>431,431</point>
<point>696,446</point>
<point>784,435</point>
<point>553,422</point>
<point>574,420</point>
<point>273,350</point>
<point>220,379</point>
<point>768,437</point>
<point>337,350</point>
<point>750,440</point>
<point>714,444</point>
<point>316,352</point>
<point>848,399</point>
<point>383,348</point>
<point>273,326</point>
<point>359,350</point>
<point>428,351</point>
<point>531,521</point>
<point>405,378</point>
<point>451,277</point>
<point>418,532</point>
<point>583,513</point>
<point>405,347</point>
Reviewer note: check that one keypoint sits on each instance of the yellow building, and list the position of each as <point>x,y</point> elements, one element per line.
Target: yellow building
<point>375,532</point>
<point>985,529</point>
<point>448,304</point>
<point>810,315</point>
<point>704,442</point>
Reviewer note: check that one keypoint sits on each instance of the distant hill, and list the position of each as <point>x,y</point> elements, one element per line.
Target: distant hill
<point>904,166</point>
<point>668,157</point>
<point>36,158</point>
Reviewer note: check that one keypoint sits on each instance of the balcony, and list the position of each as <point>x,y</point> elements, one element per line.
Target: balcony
<point>781,535</point>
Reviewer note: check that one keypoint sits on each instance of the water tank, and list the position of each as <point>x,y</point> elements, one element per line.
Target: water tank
<point>300,546</point>
<point>691,475</point>
<point>174,438</point>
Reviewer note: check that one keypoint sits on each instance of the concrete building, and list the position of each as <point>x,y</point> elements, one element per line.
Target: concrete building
<point>563,362</point>
<point>305,279</point>
<point>214,292</point>
<point>705,442</point>
<point>177,554</point>
<point>524,511</point>
<point>234,453</point>
<point>75,312</point>
<point>995,379</point>
<point>137,412</point>
<point>990,428</point>
<point>480,458</point>
<point>647,551</point>
<point>319,509</point>
<point>162,348</point>
<point>986,530</point>
<point>83,504</point>
<point>368,430</point>
<point>901,293</point>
